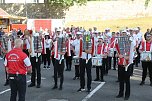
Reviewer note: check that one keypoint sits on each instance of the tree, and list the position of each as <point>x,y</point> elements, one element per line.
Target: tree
<point>66,2</point>
<point>146,3</point>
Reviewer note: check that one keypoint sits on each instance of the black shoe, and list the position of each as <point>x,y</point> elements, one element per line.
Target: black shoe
<point>31,85</point>
<point>55,87</point>
<point>150,84</point>
<point>38,86</point>
<point>96,79</point>
<point>48,67</point>
<point>119,96</point>
<point>66,70</point>
<point>126,98</point>
<point>102,80</point>
<point>136,65</point>
<point>80,90</point>
<point>60,88</point>
<point>75,78</point>
<point>142,83</point>
<point>6,83</point>
<point>89,90</point>
<point>44,67</point>
<point>114,69</point>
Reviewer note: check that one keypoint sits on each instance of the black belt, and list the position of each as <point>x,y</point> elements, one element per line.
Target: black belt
<point>15,75</point>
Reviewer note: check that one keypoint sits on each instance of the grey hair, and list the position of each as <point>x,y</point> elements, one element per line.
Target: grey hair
<point>18,43</point>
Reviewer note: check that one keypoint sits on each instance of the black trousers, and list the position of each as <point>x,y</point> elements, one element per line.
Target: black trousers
<point>145,66</point>
<point>68,62</point>
<point>114,61</point>
<point>77,70</point>
<point>137,59</point>
<point>58,71</point>
<point>36,70</point>
<point>124,78</point>
<point>46,57</point>
<point>18,86</point>
<point>105,65</point>
<point>99,69</point>
<point>87,66</point>
<point>53,60</point>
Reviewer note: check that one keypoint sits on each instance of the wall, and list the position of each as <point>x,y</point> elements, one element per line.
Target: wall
<point>103,10</point>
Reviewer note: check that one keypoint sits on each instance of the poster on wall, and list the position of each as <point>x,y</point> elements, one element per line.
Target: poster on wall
<point>4,23</point>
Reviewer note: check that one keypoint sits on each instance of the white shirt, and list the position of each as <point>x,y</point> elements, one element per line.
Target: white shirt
<point>133,44</point>
<point>84,55</point>
<point>56,55</point>
<point>139,37</point>
<point>33,54</point>
<point>47,43</point>
<point>76,44</point>
<point>27,43</point>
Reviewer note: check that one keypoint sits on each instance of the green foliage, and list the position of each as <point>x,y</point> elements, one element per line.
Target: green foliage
<point>146,3</point>
<point>66,2</point>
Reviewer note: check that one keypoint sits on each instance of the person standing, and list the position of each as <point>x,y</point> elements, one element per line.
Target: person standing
<point>47,46</point>
<point>17,64</point>
<point>125,65</point>
<point>76,45</point>
<point>101,50</point>
<point>69,53</point>
<point>85,64</point>
<point>35,58</point>
<point>59,63</point>
<point>146,46</point>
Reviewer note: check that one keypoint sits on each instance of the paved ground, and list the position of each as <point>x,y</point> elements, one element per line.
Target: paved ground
<point>100,91</point>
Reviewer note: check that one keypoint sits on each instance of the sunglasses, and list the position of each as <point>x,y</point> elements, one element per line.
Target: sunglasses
<point>99,41</point>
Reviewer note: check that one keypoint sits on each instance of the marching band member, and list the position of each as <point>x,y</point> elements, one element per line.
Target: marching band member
<point>26,42</point>
<point>69,53</point>
<point>146,46</point>
<point>85,63</point>
<point>59,64</point>
<point>113,50</point>
<point>47,50</point>
<point>35,58</point>
<point>6,47</point>
<point>101,50</point>
<point>76,45</point>
<point>139,39</point>
<point>125,63</point>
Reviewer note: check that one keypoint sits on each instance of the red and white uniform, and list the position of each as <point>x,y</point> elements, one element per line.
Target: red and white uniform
<point>17,62</point>
<point>102,49</point>
<point>146,46</point>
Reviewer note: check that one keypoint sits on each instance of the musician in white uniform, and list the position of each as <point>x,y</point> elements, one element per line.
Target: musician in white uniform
<point>146,46</point>
<point>59,64</point>
<point>125,63</point>
<point>100,50</point>
<point>35,58</point>
<point>76,45</point>
<point>85,64</point>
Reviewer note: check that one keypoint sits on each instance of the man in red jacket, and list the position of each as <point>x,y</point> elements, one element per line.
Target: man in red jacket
<point>17,65</point>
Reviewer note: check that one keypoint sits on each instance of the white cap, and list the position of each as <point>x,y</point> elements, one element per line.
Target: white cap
<point>124,31</point>
<point>107,29</point>
<point>100,37</point>
<point>46,33</point>
<point>78,33</point>
<point>59,30</point>
<point>136,29</point>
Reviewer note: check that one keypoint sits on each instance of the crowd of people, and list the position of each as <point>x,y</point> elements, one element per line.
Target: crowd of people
<point>73,43</point>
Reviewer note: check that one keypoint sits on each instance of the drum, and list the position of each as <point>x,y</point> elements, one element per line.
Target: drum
<point>111,52</point>
<point>146,56</point>
<point>96,61</point>
<point>76,60</point>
